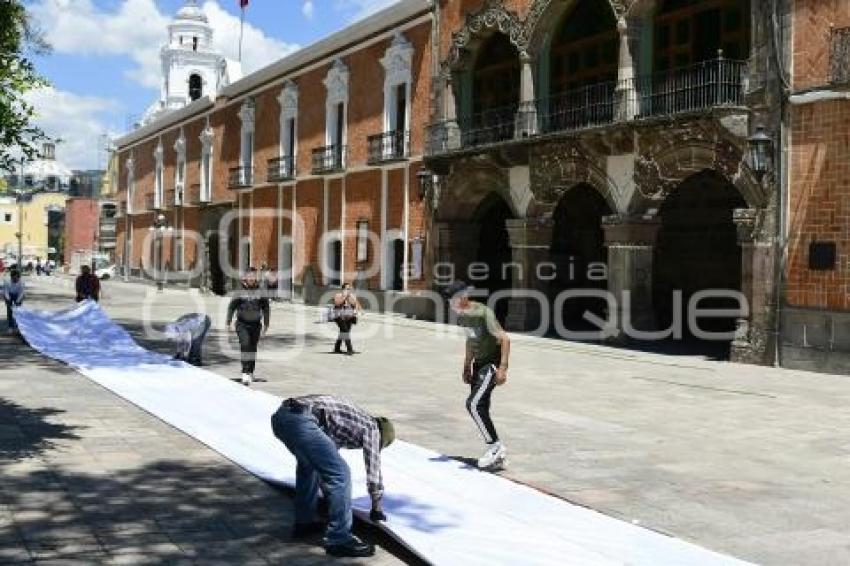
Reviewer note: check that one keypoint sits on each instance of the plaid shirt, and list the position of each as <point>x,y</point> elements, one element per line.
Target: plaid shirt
<point>349,426</point>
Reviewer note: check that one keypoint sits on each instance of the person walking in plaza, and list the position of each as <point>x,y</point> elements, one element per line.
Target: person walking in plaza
<point>87,285</point>
<point>314,428</point>
<point>189,332</point>
<point>485,366</point>
<point>13,294</point>
<point>346,307</point>
<point>252,312</point>
<point>268,281</point>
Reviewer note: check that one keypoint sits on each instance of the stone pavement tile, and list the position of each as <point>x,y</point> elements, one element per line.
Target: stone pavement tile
<point>82,548</point>
<point>54,530</point>
<point>14,554</point>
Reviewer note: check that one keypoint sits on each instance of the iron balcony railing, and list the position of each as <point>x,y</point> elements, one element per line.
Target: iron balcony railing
<point>240,177</point>
<point>281,169</point>
<point>716,83</point>
<point>329,159</point>
<point>389,146</point>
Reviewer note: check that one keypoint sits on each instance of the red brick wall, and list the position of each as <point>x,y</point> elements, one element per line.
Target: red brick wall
<point>362,202</point>
<point>819,163</point>
<point>81,221</point>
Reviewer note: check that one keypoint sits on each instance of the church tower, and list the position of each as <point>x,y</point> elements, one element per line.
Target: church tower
<point>191,68</point>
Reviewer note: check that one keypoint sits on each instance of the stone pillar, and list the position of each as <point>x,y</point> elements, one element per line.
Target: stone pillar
<point>626,92</point>
<point>449,137</point>
<point>530,239</point>
<point>457,246</point>
<point>631,245</point>
<point>526,117</point>
<point>755,338</point>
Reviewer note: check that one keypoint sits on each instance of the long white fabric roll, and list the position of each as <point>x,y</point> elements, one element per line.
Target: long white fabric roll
<point>443,510</point>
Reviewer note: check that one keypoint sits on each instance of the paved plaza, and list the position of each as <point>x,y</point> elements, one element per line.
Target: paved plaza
<point>744,460</point>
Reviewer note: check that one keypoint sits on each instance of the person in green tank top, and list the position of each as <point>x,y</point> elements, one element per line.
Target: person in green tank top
<point>485,366</point>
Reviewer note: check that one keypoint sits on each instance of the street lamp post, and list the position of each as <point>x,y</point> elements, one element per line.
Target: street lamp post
<point>160,227</point>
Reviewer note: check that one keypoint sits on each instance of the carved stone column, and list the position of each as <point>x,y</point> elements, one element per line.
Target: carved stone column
<point>457,245</point>
<point>754,335</point>
<point>449,136</point>
<point>626,93</point>
<point>526,117</point>
<point>530,239</point>
<point>631,245</point>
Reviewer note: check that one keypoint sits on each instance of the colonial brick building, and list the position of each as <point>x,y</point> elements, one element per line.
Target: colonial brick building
<point>816,317</point>
<point>309,165</point>
<point>648,153</point>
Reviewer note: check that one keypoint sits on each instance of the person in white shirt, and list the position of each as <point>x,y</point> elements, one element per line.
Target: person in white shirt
<point>13,294</point>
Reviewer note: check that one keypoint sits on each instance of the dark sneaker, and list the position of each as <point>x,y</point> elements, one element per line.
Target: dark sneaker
<point>303,530</point>
<point>354,548</point>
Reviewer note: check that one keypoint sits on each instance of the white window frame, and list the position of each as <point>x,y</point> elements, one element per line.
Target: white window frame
<point>180,169</point>
<point>206,163</point>
<point>336,84</point>
<point>131,183</point>
<point>288,100</point>
<point>397,62</point>
<point>246,144</point>
<point>157,179</point>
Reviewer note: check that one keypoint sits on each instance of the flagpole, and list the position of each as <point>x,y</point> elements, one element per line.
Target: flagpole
<point>241,26</point>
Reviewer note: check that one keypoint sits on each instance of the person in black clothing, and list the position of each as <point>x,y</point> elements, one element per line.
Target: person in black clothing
<point>345,310</point>
<point>252,319</point>
<point>87,285</point>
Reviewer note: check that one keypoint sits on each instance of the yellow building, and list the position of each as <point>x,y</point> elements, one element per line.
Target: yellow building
<point>36,223</point>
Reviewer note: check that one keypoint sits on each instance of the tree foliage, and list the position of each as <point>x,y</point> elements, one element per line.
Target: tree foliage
<point>19,41</point>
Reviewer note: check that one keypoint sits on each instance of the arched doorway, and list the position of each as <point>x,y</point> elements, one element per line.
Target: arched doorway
<point>582,70</point>
<point>697,249</point>
<point>495,92</point>
<point>494,248</point>
<point>578,253</point>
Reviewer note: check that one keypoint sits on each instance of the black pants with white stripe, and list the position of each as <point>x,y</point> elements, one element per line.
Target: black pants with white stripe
<point>478,402</point>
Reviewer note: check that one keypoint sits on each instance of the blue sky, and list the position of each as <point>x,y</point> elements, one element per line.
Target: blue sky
<point>104,68</point>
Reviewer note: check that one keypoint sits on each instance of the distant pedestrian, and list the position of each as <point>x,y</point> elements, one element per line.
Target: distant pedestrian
<point>188,334</point>
<point>13,295</point>
<point>38,267</point>
<point>314,428</point>
<point>87,285</point>
<point>252,312</point>
<point>268,281</point>
<point>346,307</point>
<point>485,366</point>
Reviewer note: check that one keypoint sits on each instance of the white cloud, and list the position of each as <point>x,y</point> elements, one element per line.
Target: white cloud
<point>137,29</point>
<point>79,121</point>
<point>308,9</point>
<point>258,49</point>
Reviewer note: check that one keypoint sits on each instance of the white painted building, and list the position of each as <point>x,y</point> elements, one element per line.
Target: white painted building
<point>191,68</point>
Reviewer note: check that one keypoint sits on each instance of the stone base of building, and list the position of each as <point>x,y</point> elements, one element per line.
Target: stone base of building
<point>816,340</point>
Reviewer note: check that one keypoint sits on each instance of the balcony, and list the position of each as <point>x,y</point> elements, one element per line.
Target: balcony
<point>700,87</point>
<point>329,159</point>
<point>388,147</point>
<point>281,169</point>
<point>240,178</point>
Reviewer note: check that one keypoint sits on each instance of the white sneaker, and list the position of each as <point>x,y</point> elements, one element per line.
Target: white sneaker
<point>494,458</point>
<point>247,378</point>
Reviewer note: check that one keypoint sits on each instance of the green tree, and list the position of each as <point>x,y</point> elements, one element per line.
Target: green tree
<point>19,41</point>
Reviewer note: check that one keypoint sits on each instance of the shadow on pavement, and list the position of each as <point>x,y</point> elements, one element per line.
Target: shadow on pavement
<point>26,432</point>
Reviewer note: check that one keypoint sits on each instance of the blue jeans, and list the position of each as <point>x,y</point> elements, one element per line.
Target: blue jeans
<point>10,318</point>
<point>319,462</point>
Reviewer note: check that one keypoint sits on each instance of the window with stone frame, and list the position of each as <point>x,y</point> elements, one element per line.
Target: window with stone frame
<point>496,78</point>
<point>839,56</point>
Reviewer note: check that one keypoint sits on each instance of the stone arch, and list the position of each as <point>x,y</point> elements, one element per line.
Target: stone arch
<point>492,17</point>
<point>660,173</point>
<point>466,188</point>
<point>566,167</point>
<point>545,15</point>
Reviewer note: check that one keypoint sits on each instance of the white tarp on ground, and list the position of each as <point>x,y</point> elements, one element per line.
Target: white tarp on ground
<point>446,512</point>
